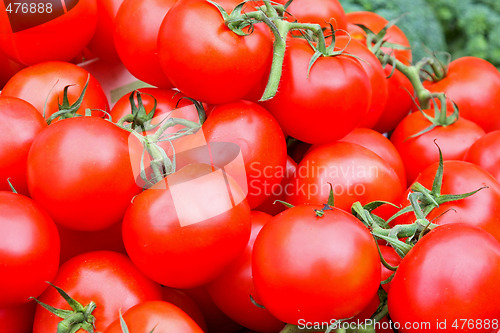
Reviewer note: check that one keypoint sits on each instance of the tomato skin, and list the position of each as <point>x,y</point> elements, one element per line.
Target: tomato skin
<point>74,28</point>
<point>381,146</point>
<point>299,261</point>
<point>356,174</point>
<point>18,319</point>
<point>333,107</point>
<point>158,315</point>
<point>186,303</point>
<point>105,277</point>
<point>44,83</point>
<point>376,23</point>
<point>206,66</point>
<point>8,68</point>
<point>376,74</point>
<point>464,84</point>
<point>452,273</point>
<point>419,152</point>
<point>485,152</point>
<point>79,170</point>
<point>320,12</point>
<point>231,290</point>
<point>161,225</point>
<point>279,192</point>
<point>29,249</point>
<point>481,209</point>
<point>20,123</point>
<point>136,38</point>
<point>102,43</point>
<point>261,140</point>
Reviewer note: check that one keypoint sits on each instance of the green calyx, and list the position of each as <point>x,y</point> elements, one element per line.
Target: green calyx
<point>67,110</point>
<point>79,318</point>
<point>328,206</point>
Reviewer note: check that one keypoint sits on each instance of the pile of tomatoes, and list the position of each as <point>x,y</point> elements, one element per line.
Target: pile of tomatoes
<point>285,167</point>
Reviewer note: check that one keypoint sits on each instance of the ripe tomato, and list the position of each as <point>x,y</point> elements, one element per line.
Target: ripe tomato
<point>376,23</point>
<point>136,38</point>
<point>326,104</point>
<point>231,290</point>
<point>19,318</point>
<point>355,173</point>
<point>109,279</point>
<point>157,316</point>
<point>75,242</point>
<point>102,43</point>
<point>400,90</point>
<point>464,84</point>
<point>481,209</point>
<point>33,32</point>
<point>8,68</point>
<point>452,274</point>
<point>315,268</point>
<point>376,74</point>
<point>29,249</point>
<point>196,221</point>
<point>206,66</point>
<point>42,85</point>
<point>320,12</point>
<point>186,303</point>
<point>20,123</point>
<point>485,152</point>
<point>79,170</point>
<point>279,191</point>
<point>261,140</point>
<point>419,152</point>
<point>381,146</point>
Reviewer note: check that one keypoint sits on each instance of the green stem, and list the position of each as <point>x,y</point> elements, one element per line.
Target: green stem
<point>289,328</point>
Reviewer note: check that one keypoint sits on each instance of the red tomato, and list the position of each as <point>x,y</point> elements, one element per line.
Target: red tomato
<point>231,290</point>
<point>19,318</point>
<point>80,171</point>
<point>216,320</point>
<point>157,316</point>
<point>299,261</point>
<point>355,173</point>
<point>376,74</point>
<point>206,66</point>
<point>109,279</point>
<point>399,101</point>
<point>376,23</point>
<point>381,146</point>
<point>419,152</point>
<point>29,249</point>
<point>102,43</point>
<point>481,209</point>
<point>196,221</point>
<point>464,84</point>
<point>279,191</point>
<point>400,90</point>
<point>75,242</point>
<point>452,274</point>
<point>187,304</point>
<point>326,104</point>
<point>260,139</point>
<point>136,38</point>
<point>320,12</point>
<point>33,32</point>
<point>485,152</point>
<point>42,86</point>
<point>8,68</point>
<point>392,258</point>
<point>20,123</point>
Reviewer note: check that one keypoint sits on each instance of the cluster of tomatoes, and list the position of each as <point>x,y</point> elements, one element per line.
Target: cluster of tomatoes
<point>289,170</point>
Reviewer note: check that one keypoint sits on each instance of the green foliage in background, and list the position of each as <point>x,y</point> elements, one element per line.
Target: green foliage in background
<point>472,27</point>
<point>419,23</point>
